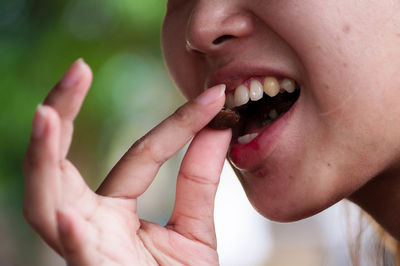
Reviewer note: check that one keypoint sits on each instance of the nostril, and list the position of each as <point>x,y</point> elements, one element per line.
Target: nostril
<point>222,39</point>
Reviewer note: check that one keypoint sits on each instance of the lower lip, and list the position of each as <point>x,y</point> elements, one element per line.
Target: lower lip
<point>248,156</point>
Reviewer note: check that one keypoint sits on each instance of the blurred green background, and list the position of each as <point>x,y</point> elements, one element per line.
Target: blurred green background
<point>39,39</point>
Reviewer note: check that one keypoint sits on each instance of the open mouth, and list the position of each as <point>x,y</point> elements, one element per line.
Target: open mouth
<point>259,102</point>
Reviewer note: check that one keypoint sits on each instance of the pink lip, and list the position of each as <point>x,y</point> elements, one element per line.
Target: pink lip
<point>248,156</point>
<point>237,73</point>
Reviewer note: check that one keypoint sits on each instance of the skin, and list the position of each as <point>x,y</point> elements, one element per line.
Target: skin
<point>343,138</point>
<point>102,227</point>
<point>340,142</point>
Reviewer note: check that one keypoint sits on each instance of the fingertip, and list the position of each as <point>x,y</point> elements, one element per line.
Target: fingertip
<point>45,136</point>
<point>209,103</point>
<point>77,73</point>
<point>68,95</point>
<point>39,122</point>
<point>211,95</point>
<point>223,132</point>
<point>215,140</point>
<point>217,137</point>
<point>45,121</point>
<point>53,120</point>
<point>85,70</point>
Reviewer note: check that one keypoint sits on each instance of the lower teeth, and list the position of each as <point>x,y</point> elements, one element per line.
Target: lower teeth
<point>247,138</point>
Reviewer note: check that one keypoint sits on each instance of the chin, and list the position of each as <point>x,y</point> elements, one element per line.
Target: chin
<point>283,210</point>
<point>282,195</point>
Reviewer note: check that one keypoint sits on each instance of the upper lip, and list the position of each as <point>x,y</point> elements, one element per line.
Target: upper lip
<point>235,74</point>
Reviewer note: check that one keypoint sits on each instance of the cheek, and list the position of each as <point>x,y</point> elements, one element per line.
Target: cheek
<point>186,70</point>
<point>339,46</point>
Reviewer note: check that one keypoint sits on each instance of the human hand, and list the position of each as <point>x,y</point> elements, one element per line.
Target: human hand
<point>103,228</point>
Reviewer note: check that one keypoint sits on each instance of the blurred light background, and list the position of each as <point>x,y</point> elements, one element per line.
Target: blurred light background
<point>131,93</point>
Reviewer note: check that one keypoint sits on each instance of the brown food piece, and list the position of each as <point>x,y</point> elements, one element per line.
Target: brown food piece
<point>225,119</point>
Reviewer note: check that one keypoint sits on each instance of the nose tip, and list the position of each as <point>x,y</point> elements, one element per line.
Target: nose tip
<point>208,30</point>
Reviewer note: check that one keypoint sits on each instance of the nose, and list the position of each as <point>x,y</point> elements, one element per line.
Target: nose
<point>212,24</point>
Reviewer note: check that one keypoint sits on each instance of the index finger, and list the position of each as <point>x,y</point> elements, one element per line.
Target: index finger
<point>132,175</point>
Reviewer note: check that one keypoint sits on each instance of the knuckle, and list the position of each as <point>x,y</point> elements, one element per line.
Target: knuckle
<point>153,152</point>
<point>183,116</point>
<point>143,147</point>
<point>198,179</point>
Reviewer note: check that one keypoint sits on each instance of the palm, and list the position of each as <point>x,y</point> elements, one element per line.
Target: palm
<point>129,241</point>
<point>110,232</point>
<point>103,228</point>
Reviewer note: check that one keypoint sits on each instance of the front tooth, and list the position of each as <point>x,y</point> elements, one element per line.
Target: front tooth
<point>230,101</point>
<point>273,114</point>
<point>247,138</point>
<point>271,86</point>
<point>241,95</point>
<point>288,85</point>
<point>256,90</point>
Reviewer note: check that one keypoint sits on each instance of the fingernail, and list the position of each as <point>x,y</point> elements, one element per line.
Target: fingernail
<point>39,122</point>
<point>211,94</point>
<point>72,76</point>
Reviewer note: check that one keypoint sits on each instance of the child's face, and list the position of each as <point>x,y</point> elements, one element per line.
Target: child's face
<point>343,130</point>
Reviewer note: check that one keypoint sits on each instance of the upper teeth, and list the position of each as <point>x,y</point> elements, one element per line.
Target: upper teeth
<point>241,95</point>
<point>288,85</point>
<point>271,86</point>
<point>256,90</point>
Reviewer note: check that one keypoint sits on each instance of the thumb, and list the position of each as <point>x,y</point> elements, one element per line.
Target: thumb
<point>198,179</point>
